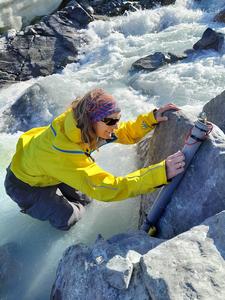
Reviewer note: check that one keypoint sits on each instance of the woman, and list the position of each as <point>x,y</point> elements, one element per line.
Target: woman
<point>51,163</point>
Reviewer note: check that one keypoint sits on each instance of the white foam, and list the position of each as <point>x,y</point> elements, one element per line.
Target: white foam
<point>15,13</point>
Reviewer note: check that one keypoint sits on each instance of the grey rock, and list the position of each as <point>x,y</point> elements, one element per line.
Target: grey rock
<point>47,47</point>
<point>189,266</point>
<point>215,110</point>
<point>73,256</point>
<point>11,34</point>
<point>44,48</point>
<point>99,273</point>
<point>154,61</point>
<point>118,272</point>
<point>202,187</point>
<point>172,133</point>
<point>115,8</point>
<point>118,7</point>
<point>133,257</point>
<point>210,40</point>
<point>149,4</point>
<point>32,109</point>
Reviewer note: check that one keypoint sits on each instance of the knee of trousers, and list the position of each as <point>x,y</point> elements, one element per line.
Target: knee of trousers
<point>78,211</point>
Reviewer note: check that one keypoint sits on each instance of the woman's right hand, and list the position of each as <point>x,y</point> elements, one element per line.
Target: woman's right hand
<point>175,164</point>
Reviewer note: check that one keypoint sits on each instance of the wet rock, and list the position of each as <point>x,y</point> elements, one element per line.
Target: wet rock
<point>44,48</point>
<point>202,187</point>
<point>210,40</point>
<point>215,110</point>
<point>152,62</point>
<point>32,109</point>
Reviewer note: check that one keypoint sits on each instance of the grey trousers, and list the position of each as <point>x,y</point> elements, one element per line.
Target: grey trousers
<point>59,204</point>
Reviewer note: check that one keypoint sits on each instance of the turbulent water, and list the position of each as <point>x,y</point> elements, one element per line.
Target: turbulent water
<point>113,47</point>
<point>16,13</point>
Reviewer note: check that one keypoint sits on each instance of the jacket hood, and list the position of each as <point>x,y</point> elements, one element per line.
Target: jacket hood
<point>70,126</point>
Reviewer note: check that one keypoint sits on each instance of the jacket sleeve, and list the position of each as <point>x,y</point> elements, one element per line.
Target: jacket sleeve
<point>132,132</point>
<point>95,182</point>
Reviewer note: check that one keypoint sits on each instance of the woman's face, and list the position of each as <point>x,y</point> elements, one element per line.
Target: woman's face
<point>105,131</point>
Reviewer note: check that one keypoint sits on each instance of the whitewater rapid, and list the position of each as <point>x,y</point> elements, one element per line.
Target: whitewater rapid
<point>113,46</point>
<point>18,13</point>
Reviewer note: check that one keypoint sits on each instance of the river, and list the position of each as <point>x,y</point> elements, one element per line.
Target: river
<point>114,46</point>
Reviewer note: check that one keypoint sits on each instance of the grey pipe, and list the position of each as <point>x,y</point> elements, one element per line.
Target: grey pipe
<point>197,135</point>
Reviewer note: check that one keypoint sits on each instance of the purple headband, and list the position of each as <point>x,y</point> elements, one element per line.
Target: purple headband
<point>101,106</point>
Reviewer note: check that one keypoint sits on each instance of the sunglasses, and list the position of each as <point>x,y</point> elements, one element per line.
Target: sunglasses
<point>110,121</point>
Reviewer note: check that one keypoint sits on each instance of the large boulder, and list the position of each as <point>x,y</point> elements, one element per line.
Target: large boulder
<point>104,271</point>
<point>189,266</point>
<point>215,110</point>
<point>210,40</point>
<point>44,48</point>
<point>201,193</point>
<point>32,109</point>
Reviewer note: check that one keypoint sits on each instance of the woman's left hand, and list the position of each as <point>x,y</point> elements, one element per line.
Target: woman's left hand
<point>159,112</point>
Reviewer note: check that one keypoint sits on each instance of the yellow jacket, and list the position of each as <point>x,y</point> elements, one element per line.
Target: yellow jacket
<point>49,155</point>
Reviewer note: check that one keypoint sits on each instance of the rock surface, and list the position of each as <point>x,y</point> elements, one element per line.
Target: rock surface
<point>47,47</point>
<point>44,48</point>
<point>202,187</point>
<point>215,110</point>
<point>119,7</point>
<point>189,266</point>
<point>152,62</point>
<point>210,40</point>
<point>98,272</point>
